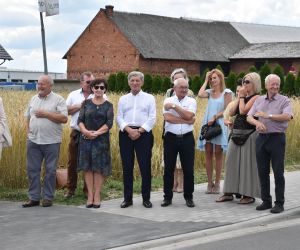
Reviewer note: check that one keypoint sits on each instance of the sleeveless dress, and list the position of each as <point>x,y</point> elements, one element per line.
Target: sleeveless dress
<point>214,106</point>
<point>241,174</point>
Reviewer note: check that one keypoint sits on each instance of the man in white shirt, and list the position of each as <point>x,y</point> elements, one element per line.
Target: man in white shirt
<point>136,118</point>
<point>74,101</point>
<point>179,114</point>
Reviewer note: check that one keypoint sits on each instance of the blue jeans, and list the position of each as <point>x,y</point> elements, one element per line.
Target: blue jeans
<point>36,153</point>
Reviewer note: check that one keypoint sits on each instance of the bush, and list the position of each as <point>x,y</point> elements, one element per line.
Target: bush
<point>156,84</point>
<point>288,88</point>
<point>297,84</point>
<point>147,83</point>
<point>195,84</point>
<point>231,81</point>
<point>112,82</point>
<point>121,82</point>
<point>278,70</point>
<point>166,84</point>
<point>253,69</point>
<point>264,71</point>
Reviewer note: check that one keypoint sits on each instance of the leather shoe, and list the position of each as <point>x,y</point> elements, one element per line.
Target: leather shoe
<point>125,204</point>
<point>47,203</point>
<point>31,203</point>
<point>147,204</point>
<point>190,203</point>
<point>264,206</point>
<point>166,203</point>
<point>69,194</point>
<point>277,209</point>
<point>89,205</point>
<point>96,205</point>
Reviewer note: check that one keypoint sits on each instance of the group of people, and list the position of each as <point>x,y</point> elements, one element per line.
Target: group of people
<point>256,138</point>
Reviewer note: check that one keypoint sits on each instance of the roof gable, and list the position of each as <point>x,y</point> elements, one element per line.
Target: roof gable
<point>4,55</point>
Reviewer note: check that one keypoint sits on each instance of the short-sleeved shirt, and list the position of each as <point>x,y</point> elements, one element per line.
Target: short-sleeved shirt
<point>279,104</point>
<point>42,130</point>
<point>187,103</point>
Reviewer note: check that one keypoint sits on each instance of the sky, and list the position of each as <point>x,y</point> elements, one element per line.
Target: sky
<point>20,29</point>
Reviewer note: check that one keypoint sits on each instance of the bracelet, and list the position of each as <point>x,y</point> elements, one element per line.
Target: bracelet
<point>242,97</point>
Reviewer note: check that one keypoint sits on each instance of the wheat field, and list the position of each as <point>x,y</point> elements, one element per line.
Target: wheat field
<point>13,162</point>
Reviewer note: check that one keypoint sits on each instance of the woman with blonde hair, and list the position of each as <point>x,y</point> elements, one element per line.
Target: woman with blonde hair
<point>241,174</point>
<point>218,99</point>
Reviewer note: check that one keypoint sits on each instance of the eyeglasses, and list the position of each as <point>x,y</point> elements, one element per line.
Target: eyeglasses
<point>99,87</point>
<point>88,82</point>
<point>246,82</point>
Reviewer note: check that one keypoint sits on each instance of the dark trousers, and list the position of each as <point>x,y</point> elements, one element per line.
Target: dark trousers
<point>73,161</point>
<point>185,146</point>
<point>271,148</point>
<point>142,147</point>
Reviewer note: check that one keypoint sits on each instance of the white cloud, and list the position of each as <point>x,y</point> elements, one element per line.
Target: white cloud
<point>20,22</point>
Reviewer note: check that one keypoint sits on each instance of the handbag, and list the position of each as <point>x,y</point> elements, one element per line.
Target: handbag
<point>7,140</point>
<point>209,132</point>
<point>61,178</point>
<point>239,139</point>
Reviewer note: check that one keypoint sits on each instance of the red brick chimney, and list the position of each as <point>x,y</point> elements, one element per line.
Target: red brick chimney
<point>109,10</point>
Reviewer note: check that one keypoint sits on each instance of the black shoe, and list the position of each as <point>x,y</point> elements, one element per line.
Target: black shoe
<point>96,205</point>
<point>264,206</point>
<point>125,204</point>
<point>89,205</point>
<point>166,203</point>
<point>190,203</point>
<point>277,209</point>
<point>47,203</point>
<point>238,196</point>
<point>31,203</point>
<point>147,204</point>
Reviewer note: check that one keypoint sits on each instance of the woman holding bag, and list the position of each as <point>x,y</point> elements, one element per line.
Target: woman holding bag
<point>5,137</point>
<point>218,98</point>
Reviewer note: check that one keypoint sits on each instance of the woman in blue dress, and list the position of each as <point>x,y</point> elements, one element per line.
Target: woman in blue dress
<point>218,98</point>
<point>95,120</point>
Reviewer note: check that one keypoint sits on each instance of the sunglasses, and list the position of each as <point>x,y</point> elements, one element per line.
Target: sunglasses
<point>246,82</point>
<point>88,82</point>
<point>99,87</point>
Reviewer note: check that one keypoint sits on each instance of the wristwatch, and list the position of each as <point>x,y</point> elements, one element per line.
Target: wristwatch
<point>270,116</point>
<point>173,106</point>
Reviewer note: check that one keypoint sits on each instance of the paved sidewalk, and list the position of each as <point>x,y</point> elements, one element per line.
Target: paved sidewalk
<point>71,227</point>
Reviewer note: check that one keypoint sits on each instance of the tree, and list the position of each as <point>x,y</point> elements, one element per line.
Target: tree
<point>288,88</point>
<point>156,84</point>
<point>278,70</point>
<point>253,69</point>
<point>166,84</point>
<point>120,79</point>
<point>111,82</point>
<point>241,75</point>
<point>297,84</point>
<point>147,83</point>
<point>264,71</point>
<point>231,81</point>
<point>195,84</point>
<point>219,67</point>
<point>202,77</point>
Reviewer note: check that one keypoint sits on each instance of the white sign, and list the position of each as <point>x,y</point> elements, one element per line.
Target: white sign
<point>51,7</point>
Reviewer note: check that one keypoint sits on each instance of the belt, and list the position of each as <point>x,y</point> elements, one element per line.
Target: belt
<point>180,135</point>
<point>271,134</point>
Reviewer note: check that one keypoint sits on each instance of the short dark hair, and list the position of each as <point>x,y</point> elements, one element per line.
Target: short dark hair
<point>239,82</point>
<point>97,81</point>
<point>86,73</point>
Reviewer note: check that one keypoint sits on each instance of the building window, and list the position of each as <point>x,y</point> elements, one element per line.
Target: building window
<point>2,80</point>
<point>16,80</point>
<point>32,81</point>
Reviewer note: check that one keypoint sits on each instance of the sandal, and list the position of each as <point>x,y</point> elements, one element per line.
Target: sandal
<point>209,188</point>
<point>225,197</point>
<point>246,200</point>
<point>216,188</point>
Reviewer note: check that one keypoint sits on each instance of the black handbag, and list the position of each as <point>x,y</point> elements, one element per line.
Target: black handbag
<point>240,139</point>
<point>210,132</point>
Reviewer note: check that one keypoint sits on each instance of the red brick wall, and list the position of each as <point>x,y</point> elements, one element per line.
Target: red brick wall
<point>165,67</point>
<point>102,49</point>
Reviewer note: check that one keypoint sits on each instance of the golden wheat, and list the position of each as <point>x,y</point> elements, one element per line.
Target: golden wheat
<point>13,163</point>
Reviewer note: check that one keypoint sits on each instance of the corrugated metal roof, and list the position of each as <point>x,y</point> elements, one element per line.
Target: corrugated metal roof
<point>260,33</point>
<point>269,50</point>
<point>179,39</point>
<point>4,55</point>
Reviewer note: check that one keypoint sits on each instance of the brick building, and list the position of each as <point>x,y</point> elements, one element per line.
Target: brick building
<point>120,41</point>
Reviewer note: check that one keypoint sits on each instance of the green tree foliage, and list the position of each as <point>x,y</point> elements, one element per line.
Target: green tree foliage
<point>231,81</point>
<point>121,79</point>
<point>241,75</point>
<point>288,87</point>
<point>156,84</point>
<point>166,84</point>
<point>219,67</point>
<point>203,75</point>
<point>297,84</point>
<point>264,71</point>
<point>112,82</point>
<point>147,83</point>
<point>195,84</point>
<point>278,70</point>
<point>253,69</point>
